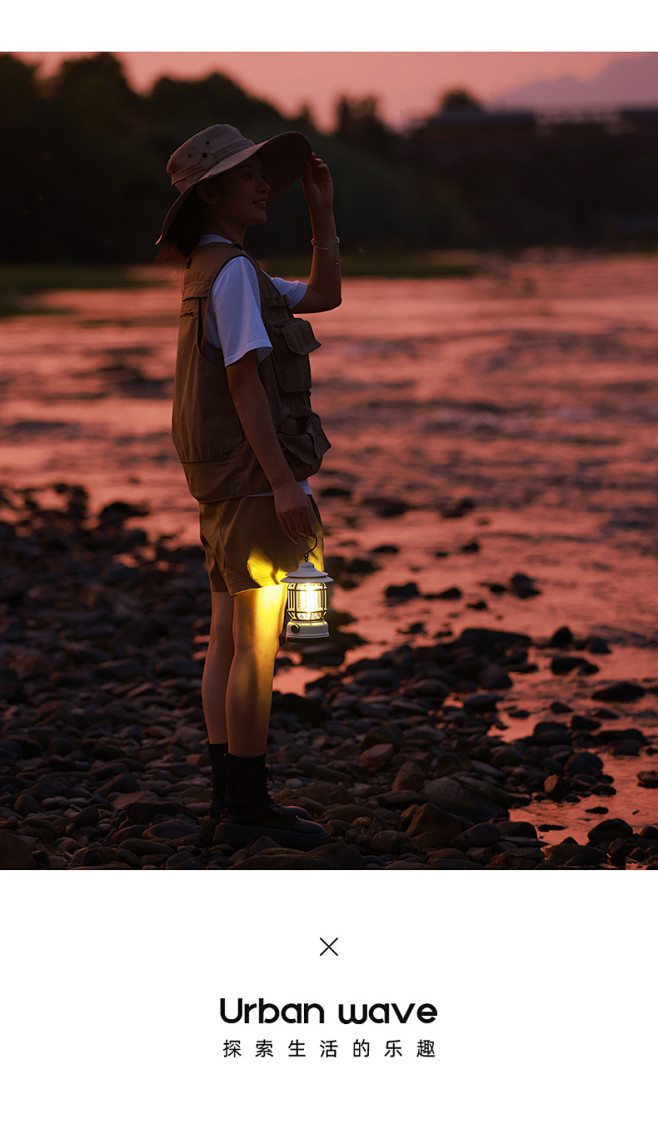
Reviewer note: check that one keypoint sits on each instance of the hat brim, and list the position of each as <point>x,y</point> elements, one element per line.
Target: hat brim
<point>284,157</point>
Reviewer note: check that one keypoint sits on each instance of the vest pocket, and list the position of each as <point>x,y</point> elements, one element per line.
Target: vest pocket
<point>298,335</point>
<point>303,442</point>
<point>293,339</point>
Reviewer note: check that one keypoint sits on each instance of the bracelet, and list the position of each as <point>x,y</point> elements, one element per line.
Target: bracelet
<point>324,248</point>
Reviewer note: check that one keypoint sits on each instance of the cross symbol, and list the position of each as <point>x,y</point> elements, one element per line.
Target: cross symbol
<point>329,945</point>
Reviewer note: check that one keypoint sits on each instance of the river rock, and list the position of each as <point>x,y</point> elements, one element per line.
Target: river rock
<point>511,860</point>
<point>584,763</point>
<point>378,756</point>
<point>523,586</point>
<point>461,795</point>
<point>400,799</point>
<point>580,723</point>
<point>516,828</point>
<point>410,777</point>
<point>402,592</point>
<point>622,692</point>
<point>183,860</point>
<point>93,856</point>
<point>608,829</point>
<point>171,830</point>
<point>440,861</point>
<point>406,864</point>
<point>573,854</point>
<point>103,754</point>
<point>562,637</point>
<point>481,702</point>
<point>557,787</point>
<point>386,842</point>
<point>616,736</point>
<point>149,810</point>
<point>283,859</point>
<point>146,847</point>
<point>561,665</point>
<point>482,834</point>
<point>120,669</point>
<point>27,805</point>
<point>493,676</point>
<point>15,854</point>
<point>383,734</point>
<point>432,819</point>
<point>648,778</point>
<point>119,784</point>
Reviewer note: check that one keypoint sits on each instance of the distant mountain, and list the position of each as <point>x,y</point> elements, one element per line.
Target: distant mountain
<point>626,82</point>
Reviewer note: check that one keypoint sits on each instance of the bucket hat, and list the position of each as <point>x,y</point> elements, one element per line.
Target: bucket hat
<point>219,148</point>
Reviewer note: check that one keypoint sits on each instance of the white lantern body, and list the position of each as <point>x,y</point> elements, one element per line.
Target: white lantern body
<point>307,603</point>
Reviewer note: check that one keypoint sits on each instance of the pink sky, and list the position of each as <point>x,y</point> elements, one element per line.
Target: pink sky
<point>407,84</point>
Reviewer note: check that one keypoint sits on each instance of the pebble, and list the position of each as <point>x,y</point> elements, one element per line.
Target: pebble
<point>103,762</point>
<point>460,795</point>
<point>561,665</point>
<point>620,693</point>
<point>608,829</point>
<point>402,592</point>
<point>431,820</point>
<point>377,756</point>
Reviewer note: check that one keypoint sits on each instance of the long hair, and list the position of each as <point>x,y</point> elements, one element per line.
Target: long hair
<point>184,233</point>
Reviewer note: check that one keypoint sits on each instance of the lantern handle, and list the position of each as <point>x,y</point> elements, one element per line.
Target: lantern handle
<point>311,548</point>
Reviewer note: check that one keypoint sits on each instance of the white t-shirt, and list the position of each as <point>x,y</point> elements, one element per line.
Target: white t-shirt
<point>234,322</point>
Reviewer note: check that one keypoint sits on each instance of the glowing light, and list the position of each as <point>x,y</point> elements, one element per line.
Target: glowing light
<point>307,602</point>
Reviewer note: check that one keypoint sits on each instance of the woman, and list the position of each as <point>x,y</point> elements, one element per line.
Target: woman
<point>248,440</point>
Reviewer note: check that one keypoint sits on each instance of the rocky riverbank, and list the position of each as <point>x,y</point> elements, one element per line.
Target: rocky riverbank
<point>102,756</point>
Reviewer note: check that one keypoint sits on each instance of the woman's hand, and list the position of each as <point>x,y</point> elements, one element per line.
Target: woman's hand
<point>293,508</point>
<point>317,185</point>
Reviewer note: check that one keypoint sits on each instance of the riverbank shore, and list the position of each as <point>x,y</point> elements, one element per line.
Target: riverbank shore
<point>103,763</point>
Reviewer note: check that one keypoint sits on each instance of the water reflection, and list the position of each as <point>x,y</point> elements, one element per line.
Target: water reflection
<point>481,428</point>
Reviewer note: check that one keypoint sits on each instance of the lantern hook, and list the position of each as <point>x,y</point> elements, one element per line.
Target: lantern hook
<point>311,549</point>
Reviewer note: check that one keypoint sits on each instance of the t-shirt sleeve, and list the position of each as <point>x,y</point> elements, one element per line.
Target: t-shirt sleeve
<point>293,290</point>
<point>234,323</point>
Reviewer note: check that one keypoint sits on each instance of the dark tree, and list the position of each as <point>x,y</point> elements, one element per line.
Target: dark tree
<point>459,99</point>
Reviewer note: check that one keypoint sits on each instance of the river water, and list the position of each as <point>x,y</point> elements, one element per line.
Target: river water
<point>481,428</point>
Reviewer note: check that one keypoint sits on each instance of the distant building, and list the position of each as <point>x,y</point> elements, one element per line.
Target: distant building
<point>452,138</point>
<point>539,176</point>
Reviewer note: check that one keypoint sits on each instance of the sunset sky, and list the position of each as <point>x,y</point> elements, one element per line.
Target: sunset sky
<point>407,84</point>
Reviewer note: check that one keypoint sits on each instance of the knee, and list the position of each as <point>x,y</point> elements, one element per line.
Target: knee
<point>259,643</point>
<point>221,622</point>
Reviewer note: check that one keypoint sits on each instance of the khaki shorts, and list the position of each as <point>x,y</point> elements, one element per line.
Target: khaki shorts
<point>246,547</point>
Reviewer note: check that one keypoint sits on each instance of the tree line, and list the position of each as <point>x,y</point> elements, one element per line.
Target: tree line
<point>86,154</point>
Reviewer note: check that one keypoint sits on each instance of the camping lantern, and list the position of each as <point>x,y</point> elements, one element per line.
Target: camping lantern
<point>307,602</point>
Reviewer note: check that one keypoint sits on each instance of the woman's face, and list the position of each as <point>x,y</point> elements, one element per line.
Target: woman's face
<point>239,197</point>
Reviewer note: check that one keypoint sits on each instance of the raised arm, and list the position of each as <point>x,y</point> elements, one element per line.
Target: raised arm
<point>290,502</point>
<point>323,289</point>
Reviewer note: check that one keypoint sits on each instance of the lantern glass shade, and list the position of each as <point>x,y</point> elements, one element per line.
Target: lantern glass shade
<point>307,603</point>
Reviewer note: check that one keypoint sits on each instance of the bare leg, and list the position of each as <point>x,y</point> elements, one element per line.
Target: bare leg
<point>217,667</point>
<point>257,623</point>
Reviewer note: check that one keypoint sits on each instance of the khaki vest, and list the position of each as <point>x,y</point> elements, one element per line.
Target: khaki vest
<point>206,429</point>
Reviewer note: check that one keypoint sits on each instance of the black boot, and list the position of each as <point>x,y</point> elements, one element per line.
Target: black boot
<point>218,754</point>
<point>219,764</point>
<point>250,812</point>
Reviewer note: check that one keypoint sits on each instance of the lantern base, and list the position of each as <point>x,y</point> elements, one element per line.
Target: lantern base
<point>306,630</point>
